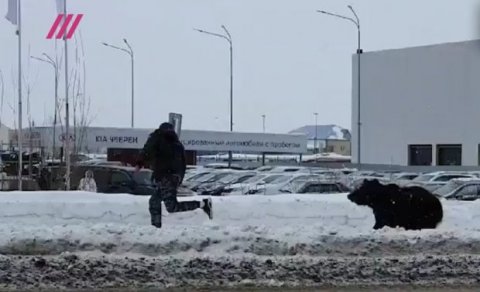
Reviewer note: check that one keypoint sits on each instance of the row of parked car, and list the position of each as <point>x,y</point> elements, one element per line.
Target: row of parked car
<point>458,185</point>
<point>220,180</point>
<point>267,180</point>
<point>216,180</point>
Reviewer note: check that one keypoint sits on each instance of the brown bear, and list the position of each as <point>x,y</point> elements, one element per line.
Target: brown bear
<point>412,208</point>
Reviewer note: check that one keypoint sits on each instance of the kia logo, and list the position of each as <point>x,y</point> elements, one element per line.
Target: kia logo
<point>62,137</point>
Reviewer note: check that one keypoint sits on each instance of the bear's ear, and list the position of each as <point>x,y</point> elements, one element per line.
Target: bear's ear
<point>375,181</point>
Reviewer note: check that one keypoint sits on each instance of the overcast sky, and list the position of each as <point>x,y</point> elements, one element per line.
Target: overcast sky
<point>289,61</point>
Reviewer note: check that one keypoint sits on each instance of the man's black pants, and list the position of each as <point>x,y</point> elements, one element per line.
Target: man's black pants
<point>167,192</point>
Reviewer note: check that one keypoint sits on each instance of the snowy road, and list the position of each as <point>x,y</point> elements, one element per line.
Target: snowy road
<point>294,240</point>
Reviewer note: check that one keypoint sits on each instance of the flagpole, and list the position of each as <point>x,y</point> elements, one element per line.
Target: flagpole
<point>19,134</point>
<point>67,110</point>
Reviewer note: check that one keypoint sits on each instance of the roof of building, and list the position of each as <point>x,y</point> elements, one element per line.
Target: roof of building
<point>459,44</point>
<point>324,132</point>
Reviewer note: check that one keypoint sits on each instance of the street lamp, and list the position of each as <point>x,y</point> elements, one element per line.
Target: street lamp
<point>316,134</point>
<point>264,117</point>
<point>356,22</point>
<point>228,38</point>
<point>50,61</point>
<point>130,53</point>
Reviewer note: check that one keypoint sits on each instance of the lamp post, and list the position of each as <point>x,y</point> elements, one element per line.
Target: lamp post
<point>132,59</point>
<point>228,38</point>
<point>356,22</point>
<point>50,61</point>
<point>264,117</point>
<point>316,134</point>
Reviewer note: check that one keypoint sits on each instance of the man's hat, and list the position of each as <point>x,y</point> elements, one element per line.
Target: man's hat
<point>166,127</point>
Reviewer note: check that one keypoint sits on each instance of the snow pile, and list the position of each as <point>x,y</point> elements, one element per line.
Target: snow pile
<point>338,133</point>
<point>51,223</point>
<point>66,240</point>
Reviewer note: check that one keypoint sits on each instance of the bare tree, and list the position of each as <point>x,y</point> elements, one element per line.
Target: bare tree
<point>2,95</point>
<point>13,105</point>
<point>82,102</point>
<point>28,90</point>
<point>75,95</point>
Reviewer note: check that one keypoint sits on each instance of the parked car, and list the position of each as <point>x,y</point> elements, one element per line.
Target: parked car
<point>316,187</point>
<point>116,179</point>
<point>99,162</point>
<point>347,171</point>
<point>434,180</point>
<point>465,189</point>
<point>194,177</point>
<point>243,188</point>
<point>217,188</point>
<point>10,183</point>
<point>224,166</point>
<point>277,169</point>
<point>359,180</point>
<point>210,178</point>
<point>274,186</point>
<point>405,176</point>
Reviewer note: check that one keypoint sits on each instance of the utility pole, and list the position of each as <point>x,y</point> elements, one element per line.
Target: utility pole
<point>132,61</point>
<point>356,22</point>
<point>228,38</point>
<point>264,117</point>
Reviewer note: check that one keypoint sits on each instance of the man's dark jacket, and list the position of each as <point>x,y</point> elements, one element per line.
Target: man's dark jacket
<point>164,154</point>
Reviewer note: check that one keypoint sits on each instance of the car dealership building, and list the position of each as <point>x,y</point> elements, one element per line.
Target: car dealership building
<point>124,143</point>
<point>419,106</point>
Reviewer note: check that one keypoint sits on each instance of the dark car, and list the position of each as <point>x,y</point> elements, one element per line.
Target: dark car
<point>116,179</point>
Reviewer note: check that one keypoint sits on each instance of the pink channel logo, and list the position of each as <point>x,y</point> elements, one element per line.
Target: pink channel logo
<point>66,31</point>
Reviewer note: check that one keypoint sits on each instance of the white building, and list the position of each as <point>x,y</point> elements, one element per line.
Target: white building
<point>419,105</point>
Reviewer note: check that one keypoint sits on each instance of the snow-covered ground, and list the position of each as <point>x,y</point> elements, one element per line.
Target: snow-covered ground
<point>285,239</point>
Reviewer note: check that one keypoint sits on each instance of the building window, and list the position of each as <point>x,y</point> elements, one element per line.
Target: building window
<point>449,154</point>
<point>420,155</point>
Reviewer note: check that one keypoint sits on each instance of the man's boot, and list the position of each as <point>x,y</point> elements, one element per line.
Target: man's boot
<point>207,207</point>
<point>157,220</point>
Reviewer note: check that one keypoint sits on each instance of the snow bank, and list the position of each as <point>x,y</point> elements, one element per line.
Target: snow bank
<point>54,222</point>
<point>73,240</point>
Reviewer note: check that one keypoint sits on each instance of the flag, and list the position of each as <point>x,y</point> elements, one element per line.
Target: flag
<point>60,6</point>
<point>12,13</point>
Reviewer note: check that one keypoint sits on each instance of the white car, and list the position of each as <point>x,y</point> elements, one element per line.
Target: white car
<point>405,176</point>
<point>243,188</point>
<point>434,180</point>
<point>273,187</point>
<point>465,189</point>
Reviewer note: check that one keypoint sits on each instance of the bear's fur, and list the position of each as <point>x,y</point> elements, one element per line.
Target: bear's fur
<point>412,208</point>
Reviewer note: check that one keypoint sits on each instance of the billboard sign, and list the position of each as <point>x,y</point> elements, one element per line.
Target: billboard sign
<point>176,120</point>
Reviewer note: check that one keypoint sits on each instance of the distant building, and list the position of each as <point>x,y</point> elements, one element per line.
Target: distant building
<point>330,138</point>
<point>342,147</point>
